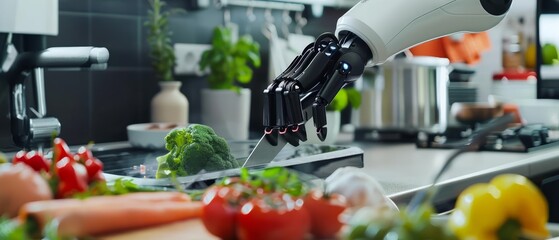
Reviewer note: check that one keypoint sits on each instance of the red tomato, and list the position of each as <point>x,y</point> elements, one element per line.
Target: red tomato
<point>37,161</point>
<point>221,205</point>
<point>73,179</point>
<point>273,217</point>
<point>61,150</point>
<point>81,172</point>
<point>325,212</point>
<point>20,157</point>
<point>93,167</point>
<point>83,154</point>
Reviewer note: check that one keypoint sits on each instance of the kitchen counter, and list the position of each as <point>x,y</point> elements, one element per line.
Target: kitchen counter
<point>402,169</point>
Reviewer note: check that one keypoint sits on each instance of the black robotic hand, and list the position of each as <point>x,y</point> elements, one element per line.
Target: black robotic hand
<point>309,84</point>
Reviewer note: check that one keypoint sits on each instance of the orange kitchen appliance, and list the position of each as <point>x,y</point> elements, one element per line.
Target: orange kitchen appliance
<point>458,48</point>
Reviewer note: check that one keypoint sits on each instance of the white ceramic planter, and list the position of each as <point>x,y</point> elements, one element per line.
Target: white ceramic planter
<point>227,112</point>
<point>169,105</point>
<point>333,120</point>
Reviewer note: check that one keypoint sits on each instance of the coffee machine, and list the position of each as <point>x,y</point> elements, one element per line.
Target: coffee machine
<point>24,25</point>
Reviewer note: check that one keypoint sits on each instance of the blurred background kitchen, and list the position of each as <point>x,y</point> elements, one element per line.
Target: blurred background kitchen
<point>98,105</point>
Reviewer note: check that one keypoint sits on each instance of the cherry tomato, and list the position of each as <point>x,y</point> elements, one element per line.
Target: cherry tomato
<point>81,172</point>
<point>33,159</point>
<point>83,154</point>
<point>221,205</point>
<point>325,211</point>
<point>61,150</point>
<point>273,216</point>
<point>73,179</point>
<point>93,167</point>
<point>37,161</point>
<point>20,157</point>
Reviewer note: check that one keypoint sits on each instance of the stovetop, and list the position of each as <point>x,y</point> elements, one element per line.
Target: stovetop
<point>524,138</point>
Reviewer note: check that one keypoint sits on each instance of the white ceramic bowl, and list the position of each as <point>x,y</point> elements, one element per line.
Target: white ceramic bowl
<point>149,135</point>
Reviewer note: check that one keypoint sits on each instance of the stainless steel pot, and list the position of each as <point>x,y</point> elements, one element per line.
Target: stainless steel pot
<point>409,94</point>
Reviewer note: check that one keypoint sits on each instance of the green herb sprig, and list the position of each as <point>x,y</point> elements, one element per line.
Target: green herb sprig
<point>159,40</point>
<point>119,187</point>
<point>274,179</point>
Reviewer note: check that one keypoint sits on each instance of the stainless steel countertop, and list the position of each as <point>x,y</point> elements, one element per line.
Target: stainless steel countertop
<point>402,169</point>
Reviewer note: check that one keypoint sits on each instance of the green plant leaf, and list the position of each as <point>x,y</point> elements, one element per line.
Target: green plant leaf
<point>344,97</point>
<point>339,102</point>
<point>12,229</point>
<point>244,73</point>
<point>229,61</point>
<point>254,58</point>
<point>354,97</point>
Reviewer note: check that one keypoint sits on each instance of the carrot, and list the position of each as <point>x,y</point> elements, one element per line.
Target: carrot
<point>94,222</point>
<point>47,209</point>
<point>107,214</point>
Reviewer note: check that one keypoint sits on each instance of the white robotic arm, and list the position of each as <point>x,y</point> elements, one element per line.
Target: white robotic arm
<point>368,34</point>
<point>388,27</point>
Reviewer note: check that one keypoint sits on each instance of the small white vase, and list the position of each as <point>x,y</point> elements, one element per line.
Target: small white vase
<point>169,105</point>
<point>333,120</point>
<point>227,112</point>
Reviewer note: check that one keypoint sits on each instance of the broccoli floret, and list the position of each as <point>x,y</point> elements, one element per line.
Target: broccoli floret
<point>193,149</point>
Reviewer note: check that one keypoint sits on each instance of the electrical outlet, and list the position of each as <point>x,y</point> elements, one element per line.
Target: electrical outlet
<point>188,55</point>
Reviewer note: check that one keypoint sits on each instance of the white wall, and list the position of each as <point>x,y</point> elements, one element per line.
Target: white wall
<point>491,61</point>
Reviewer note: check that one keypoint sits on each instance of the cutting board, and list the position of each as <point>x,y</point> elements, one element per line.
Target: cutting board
<point>194,230</point>
<point>189,229</point>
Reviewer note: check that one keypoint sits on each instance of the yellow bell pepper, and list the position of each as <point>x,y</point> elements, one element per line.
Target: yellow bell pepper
<point>486,211</point>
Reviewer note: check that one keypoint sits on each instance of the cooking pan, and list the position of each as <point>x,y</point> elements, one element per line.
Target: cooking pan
<point>476,112</point>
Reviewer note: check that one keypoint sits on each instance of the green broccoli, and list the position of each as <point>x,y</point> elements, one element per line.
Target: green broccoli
<point>193,149</point>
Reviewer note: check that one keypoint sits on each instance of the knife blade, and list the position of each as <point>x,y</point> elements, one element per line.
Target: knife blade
<point>264,152</point>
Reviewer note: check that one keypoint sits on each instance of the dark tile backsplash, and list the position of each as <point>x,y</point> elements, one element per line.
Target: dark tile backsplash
<point>120,7</point>
<point>120,35</point>
<point>98,105</point>
<point>76,30</point>
<point>74,5</point>
<point>115,103</point>
<point>68,95</point>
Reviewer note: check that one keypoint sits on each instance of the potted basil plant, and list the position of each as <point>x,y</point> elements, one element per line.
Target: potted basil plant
<point>226,104</point>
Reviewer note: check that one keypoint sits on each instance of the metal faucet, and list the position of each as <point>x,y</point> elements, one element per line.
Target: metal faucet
<point>39,130</point>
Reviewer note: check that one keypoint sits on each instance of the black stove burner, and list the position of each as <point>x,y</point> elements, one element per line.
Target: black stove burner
<point>515,139</point>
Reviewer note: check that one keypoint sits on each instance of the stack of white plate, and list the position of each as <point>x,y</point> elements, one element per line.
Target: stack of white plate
<point>514,89</point>
<point>462,92</point>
